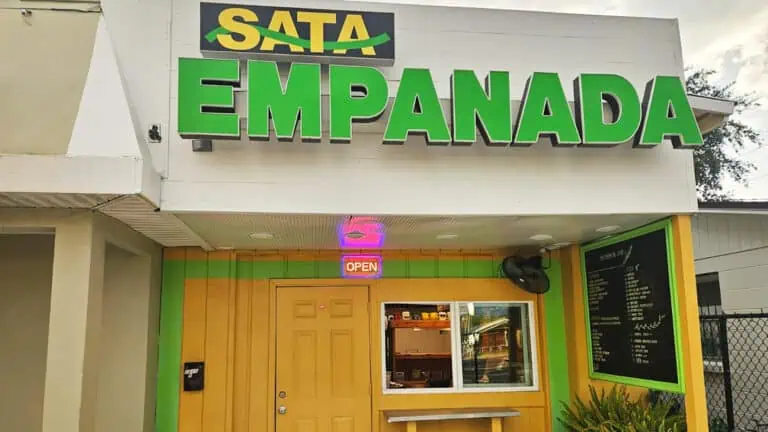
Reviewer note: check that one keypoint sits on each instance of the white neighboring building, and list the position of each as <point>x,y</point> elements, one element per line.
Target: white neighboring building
<point>730,241</point>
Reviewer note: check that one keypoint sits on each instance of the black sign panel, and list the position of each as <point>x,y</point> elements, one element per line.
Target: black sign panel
<point>631,307</point>
<point>194,376</point>
<point>279,32</point>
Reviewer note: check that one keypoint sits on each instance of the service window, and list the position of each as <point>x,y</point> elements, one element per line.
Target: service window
<point>459,347</point>
<point>495,345</point>
<point>419,348</point>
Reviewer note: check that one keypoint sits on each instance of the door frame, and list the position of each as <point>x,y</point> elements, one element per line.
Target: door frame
<point>274,285</point>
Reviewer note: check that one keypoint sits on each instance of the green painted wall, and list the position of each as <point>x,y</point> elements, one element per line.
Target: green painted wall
<point>169,357</point>
<point>176,271</point>
<point>554,312</point>
<point>427,267</point>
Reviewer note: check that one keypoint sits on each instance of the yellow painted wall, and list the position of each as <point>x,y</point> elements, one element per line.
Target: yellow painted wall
<point>693,363</point>
<point>573,293</point>
<point>532,405</point>
<point>228,323</point>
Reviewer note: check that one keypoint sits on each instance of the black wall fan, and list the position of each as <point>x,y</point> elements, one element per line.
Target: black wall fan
<point>527,273</point>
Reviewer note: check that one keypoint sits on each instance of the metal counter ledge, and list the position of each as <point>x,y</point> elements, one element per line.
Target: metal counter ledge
<point>414,416</point>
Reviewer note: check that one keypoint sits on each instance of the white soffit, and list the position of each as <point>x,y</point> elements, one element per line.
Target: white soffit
<point>710,112</point>
<point>132,210</point>
<point>283,231</point>
<point>164,228</point>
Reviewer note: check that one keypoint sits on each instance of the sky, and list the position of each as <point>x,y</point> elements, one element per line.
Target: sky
<point>729,36</point>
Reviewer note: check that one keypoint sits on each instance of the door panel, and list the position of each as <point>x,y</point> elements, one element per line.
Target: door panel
<point>323,360</point>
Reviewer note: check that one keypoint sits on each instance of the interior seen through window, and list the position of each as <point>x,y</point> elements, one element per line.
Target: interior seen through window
<point>458,345</point>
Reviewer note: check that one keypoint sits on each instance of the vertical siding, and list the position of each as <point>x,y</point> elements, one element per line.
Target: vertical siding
<point>224,312</point>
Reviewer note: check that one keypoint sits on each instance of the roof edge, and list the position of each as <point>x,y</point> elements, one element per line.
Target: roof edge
<point>733,206</point>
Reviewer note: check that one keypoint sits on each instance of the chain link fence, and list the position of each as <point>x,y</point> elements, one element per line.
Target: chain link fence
<point>735,350</point>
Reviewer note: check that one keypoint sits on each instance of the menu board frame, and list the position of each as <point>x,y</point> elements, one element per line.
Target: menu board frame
<point>666,225</point>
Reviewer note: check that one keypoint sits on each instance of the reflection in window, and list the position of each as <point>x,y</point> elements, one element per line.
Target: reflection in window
<point>495,345</point>
<point>710,308</point>
<point>418,346</point>
<point>708,291</point>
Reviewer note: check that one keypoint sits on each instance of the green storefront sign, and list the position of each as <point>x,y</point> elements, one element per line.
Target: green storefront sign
<point>206,106</point>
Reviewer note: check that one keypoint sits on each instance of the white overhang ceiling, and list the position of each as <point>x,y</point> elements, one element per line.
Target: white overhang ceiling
<point>274,231</point>
<point>314,231</point>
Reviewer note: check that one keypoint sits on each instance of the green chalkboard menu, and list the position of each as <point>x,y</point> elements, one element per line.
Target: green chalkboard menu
<point>631,308</point>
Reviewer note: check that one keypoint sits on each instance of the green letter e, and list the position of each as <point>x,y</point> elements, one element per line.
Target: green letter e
<point>206,101</point>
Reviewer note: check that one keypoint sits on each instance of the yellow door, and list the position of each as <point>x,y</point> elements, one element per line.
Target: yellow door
<point>323,360</point>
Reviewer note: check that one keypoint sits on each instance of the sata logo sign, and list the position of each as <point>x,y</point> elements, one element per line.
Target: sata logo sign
<point>367,37</point>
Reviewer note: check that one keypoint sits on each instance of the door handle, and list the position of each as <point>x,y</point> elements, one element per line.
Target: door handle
<point>282,410</point>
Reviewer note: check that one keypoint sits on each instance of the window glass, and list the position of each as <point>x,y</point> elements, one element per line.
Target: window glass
<point>495,345</point>
<point>418,346</point>
<point>711,342</point>
<point>708,290</point>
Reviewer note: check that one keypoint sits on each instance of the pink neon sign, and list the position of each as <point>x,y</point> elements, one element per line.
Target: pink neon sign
<point>361,233</point>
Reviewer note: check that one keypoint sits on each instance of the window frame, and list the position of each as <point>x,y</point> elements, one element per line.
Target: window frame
<point>709,282</point>
<point>533,347</point>
<point>457,378</point>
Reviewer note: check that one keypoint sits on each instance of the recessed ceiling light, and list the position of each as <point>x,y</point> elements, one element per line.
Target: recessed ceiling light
<point>541,237</point>
<point>446,236</point>
<point>607,229</point>
<point>225,248</point>
<point>261,236</point>
<point>558,245</point>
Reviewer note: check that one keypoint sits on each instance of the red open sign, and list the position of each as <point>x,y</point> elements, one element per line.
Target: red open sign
<point>361,266</point>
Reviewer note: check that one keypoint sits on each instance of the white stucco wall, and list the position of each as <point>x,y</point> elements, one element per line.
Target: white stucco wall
<point>42,75</point>
<point>123,352</point>
<point>129,346</point>
<point>140,35</point>
<point>366,177</point>
<point>26,266</point>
